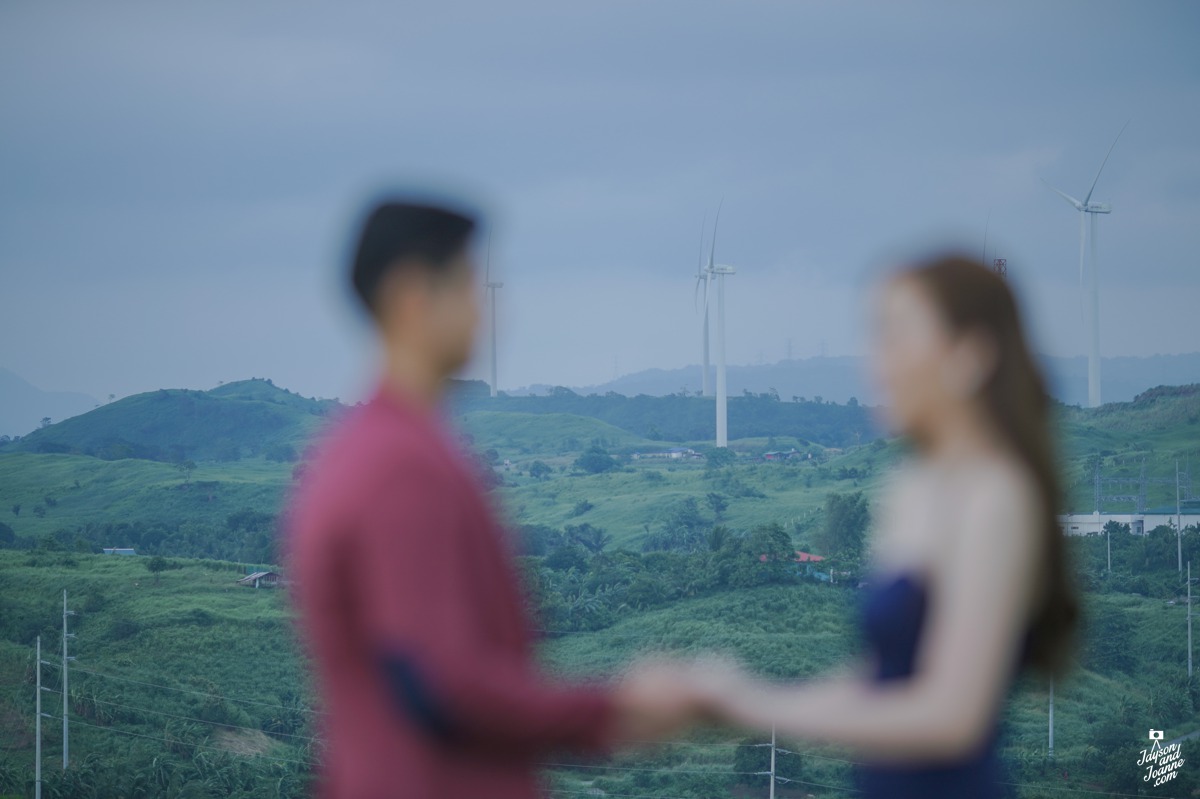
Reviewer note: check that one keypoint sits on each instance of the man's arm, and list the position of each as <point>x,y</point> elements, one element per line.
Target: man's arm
<point>450,676</point>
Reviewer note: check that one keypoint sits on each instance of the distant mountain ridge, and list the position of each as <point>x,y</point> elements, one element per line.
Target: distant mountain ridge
<point>24,405</point>
<point>838,378</point>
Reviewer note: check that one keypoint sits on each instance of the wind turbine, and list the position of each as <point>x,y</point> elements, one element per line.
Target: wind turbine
<point>704,275</point>
<point>715,271</point>
<point>489,288</point>
<point>1086,207</point>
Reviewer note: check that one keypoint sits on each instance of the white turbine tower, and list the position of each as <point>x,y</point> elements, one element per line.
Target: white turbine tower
<point>704,274</point>
<point>721,270</point>
<point>707,274</point>
<point>490,290</point>
<point>1085,208</point>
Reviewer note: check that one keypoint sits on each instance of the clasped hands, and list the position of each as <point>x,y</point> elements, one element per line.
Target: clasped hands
<point>657,697</point>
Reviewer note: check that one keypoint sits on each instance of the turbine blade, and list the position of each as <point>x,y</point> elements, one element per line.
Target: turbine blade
<point>1078,205</point>
<point>1105,161</point>
<point>713,251</point>
<point>703,224</point>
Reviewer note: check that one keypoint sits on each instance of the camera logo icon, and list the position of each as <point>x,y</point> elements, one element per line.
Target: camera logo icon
<point>1156,735</point>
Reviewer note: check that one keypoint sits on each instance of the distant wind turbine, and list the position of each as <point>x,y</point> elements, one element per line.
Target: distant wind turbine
<point>704,275</point>
<point>1086,207</point>
<point>490,289</point>
<point>715,271</point>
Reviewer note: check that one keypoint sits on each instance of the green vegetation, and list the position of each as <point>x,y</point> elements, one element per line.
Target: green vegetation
<point>623,556</point>
<point>186,684</point>
<point>250,418</point>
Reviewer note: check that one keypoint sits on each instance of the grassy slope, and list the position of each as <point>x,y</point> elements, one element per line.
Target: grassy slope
<point>194,629</point>
<point>191,629</point>
<point>1161,426</point>
<point>90,490</point>
<point>241,419</point>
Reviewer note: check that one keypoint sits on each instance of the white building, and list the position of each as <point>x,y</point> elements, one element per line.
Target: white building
<point>1139,523</point>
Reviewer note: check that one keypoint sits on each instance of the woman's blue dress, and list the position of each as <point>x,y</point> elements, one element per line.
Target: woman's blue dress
<point>891,614</point>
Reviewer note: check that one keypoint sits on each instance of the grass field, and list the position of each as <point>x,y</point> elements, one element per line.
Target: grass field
<point>190,662</point>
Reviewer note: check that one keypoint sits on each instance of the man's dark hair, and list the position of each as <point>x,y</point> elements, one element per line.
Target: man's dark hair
<point>400,232</point>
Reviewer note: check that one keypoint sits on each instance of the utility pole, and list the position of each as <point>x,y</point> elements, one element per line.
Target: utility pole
<point>65,660</point>
<point>1051,750</point>
<point>1108,543</point>
<point>1189,617</point>
<point>37,763</point>
<point>1179,525</point>
<point>772,761</point>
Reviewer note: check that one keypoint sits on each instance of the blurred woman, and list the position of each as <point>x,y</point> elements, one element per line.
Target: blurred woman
<point>969,582</point>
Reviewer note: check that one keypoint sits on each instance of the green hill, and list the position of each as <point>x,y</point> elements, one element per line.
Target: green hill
<point>245,419</point>
<point>685,417</point>
<point>223,507</point>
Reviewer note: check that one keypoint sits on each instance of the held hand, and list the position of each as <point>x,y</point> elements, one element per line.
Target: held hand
<point>659,697</point>
<point>656,698</point>
<point>720,687</point>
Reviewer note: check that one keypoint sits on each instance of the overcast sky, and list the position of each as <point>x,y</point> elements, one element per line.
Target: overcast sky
<point>178,182</point>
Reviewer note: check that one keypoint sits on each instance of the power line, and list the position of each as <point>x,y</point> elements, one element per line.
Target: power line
<point>198,721</point>
<point>638,768</point>
<point>606,793</point>
<point>820,784</point>
<point>184,743</point>
<point>201,693</point>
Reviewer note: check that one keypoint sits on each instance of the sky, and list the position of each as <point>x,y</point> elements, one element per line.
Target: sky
<point>180,183</point>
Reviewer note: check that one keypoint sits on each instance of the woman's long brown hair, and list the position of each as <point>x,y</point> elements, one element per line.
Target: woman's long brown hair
<point>972,297</point>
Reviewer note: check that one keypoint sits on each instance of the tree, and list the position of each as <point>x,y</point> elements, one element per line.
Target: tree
<point>764,555</point>
<point>594,539</point>
<point>16,509</point>
<point>186,467</point>
<point>156,565</point>
<point>844,529</point>
<point>717,503</point>
<point>539,469</point>
<point>682,528</point>
<point>594,460</point>
<point>45,421</point>
<point>717,457</point>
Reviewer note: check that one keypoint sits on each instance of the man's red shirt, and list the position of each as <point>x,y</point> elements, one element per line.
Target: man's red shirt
<point>410,606</point>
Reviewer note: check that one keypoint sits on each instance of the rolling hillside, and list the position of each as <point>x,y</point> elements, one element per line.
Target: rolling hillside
<point>245,419</point>
<point>188,686</point>
<point>221,505</point>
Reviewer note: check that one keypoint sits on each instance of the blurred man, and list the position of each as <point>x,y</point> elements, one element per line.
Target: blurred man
<point>407,593</point>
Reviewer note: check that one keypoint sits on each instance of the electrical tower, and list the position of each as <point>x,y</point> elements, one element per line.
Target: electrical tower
<point>1000,266</point>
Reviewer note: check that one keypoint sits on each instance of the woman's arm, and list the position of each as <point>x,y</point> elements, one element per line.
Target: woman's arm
<point>967,649</point>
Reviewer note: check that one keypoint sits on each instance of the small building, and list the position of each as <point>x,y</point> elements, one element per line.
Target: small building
<point>674,454</point>
<point>119,551</point>
<point>262,580</point>
<point>1139,523</point>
